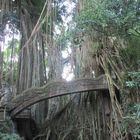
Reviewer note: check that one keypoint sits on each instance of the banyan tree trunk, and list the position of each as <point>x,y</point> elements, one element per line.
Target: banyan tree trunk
<point>1,64</point>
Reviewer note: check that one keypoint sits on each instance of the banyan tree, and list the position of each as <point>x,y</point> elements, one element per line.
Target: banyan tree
<point>48,43</point>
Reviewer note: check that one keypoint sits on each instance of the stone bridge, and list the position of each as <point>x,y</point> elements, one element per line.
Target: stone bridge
<point>55,89</point>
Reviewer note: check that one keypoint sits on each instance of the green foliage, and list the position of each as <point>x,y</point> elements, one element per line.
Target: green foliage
<point>63,39</point>
<point>6,126</point>
<point>131,54</point>
<point>134,48</point>
<point>38,4</point>
<point>134,79</point>
<point>6,136</point>
<point>110,17</point>
<point>131,123</point>
<point>6,130</point>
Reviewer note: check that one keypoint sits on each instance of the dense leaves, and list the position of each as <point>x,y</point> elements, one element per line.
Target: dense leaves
<point>110,17</point>
<point>9,136</point>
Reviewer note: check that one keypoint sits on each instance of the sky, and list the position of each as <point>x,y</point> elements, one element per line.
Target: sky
<point>67,74</point>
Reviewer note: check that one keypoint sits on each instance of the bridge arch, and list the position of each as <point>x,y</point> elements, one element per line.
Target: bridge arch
<point>55,89</point>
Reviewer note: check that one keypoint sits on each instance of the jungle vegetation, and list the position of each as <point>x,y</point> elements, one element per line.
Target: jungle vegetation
<point>96,37</point>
